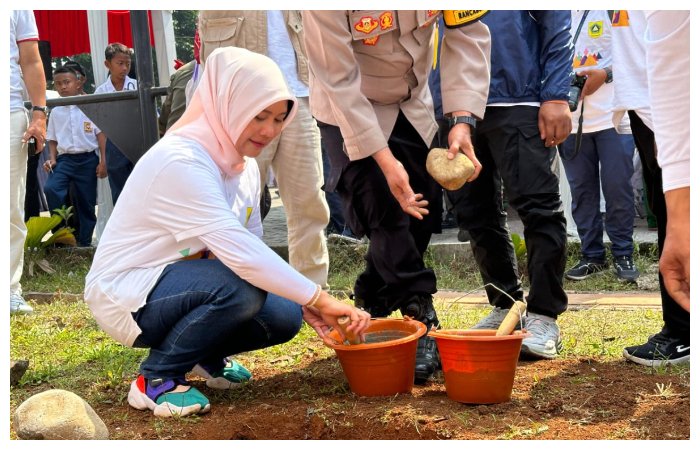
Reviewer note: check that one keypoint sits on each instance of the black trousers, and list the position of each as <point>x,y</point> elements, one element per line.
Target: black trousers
<point>395,270</point>
<point>508,145</point>
<point>676,319</point>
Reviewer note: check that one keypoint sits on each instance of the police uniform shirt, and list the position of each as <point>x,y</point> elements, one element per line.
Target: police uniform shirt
<point>366,66</point>
<point>72,130</point>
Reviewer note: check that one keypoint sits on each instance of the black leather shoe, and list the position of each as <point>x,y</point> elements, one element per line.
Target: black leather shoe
<point>420,308</point>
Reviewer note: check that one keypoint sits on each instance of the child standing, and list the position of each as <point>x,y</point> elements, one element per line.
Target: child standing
<point>118,62</point>
<point>73,139</point>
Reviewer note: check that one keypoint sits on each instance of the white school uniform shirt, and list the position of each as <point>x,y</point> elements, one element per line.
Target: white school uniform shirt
<point>129,85</point>
<point>72,130</point>
<point>22,28</point>
<point>593,51</point>
<point>188,205</point>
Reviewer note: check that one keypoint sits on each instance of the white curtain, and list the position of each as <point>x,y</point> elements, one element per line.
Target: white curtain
<point>97,28</point>
<point>164,39</point>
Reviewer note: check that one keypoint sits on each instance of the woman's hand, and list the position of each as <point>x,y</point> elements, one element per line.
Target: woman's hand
<point>325,313</point>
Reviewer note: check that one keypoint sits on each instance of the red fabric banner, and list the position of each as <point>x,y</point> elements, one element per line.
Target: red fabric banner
<point>68,34</point>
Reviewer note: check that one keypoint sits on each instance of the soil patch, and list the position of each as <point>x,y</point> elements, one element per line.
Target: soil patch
<point>560,399</point>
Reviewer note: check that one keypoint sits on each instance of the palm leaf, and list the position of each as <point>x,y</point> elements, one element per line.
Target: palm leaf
<point>37,228</point>
<point>63,236</point>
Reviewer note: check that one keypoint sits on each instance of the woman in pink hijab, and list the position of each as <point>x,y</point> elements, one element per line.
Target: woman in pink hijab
<point>181,268</point>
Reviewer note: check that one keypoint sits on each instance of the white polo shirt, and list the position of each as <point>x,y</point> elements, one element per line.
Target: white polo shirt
<point>72,130</point>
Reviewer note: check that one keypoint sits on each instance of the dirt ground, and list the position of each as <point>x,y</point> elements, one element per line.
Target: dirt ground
<point>560,399</point>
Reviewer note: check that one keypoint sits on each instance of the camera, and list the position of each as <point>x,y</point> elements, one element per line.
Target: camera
<point>577,83</point>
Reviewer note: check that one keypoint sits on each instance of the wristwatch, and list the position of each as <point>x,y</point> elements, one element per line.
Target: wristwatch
<point>608,74</point>
<point>469,120</point>
<point>43,109</point>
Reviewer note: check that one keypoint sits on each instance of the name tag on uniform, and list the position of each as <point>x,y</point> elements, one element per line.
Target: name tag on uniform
<point>461,17</point>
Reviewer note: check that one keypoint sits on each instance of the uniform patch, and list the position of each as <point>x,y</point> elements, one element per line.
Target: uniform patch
<point>185,253</point>
<point>386,20</point>
<point>366,24</point>
<point>371,41</point>
<point>461,17</point>
<point>430,13</point>
<point>595,29</point>
<point>87,127</point>
<point>620,18</point>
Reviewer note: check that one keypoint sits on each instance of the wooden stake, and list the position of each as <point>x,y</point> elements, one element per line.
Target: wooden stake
<point>512,319</point>
<point>350,337</point>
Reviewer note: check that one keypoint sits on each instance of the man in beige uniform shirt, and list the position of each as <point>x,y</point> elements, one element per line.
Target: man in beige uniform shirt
<point>369,92</point>
<point>295,156</point>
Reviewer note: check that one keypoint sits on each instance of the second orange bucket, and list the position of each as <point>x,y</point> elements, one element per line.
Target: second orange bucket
<point>479,367</point>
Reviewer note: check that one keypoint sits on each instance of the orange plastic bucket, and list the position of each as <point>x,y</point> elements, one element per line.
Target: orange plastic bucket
<point>479,367</point>
<point>384,365</point>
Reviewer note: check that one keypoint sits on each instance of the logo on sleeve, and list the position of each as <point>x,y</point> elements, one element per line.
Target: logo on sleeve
<point>620,18</point>
<point>595,29</point>
<point>87,127</point>
<point>248,213</point>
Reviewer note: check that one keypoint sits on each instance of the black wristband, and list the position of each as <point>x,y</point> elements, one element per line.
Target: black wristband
<point>469,120</point>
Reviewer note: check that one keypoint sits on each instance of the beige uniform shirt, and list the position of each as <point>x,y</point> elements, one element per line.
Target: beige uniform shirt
<point>366,66</point>
<point>248,29</point>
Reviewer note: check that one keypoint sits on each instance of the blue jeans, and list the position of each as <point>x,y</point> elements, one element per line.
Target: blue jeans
<point>605,158</point>
<point>119,168</point>
<point>199,311</point>
<point>80,170</point>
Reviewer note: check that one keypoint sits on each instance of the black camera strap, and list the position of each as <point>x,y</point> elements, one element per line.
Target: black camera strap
<point>579,131</point>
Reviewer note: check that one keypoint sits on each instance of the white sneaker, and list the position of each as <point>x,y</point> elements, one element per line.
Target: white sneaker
<point>19,306</point>
<point>493,320</point>
<point>544,340</point>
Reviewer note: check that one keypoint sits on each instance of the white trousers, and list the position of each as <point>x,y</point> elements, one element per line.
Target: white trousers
<point>18,183</point>
<point>295,157</point>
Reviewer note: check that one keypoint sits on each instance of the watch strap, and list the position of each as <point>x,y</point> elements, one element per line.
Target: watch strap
<point>469,120</point>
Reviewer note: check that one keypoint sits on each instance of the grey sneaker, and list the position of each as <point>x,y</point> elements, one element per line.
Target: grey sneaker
<point>18,305</point>
<point>493,320</point>
<point>544,341</point>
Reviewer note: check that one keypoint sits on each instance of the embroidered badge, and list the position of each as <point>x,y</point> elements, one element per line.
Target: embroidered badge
<point>461,17</point>
<point>371,41</point>
<point>366,24</point>
<point>386,20</point>
<point>620,18</point>
<point>595,29</point>
<point>430,13</point>
<point>185,253</point>
<point>87,127</point>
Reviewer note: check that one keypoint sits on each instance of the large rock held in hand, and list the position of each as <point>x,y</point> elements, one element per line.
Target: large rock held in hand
<point>58,414</point>
<point>450,174</point>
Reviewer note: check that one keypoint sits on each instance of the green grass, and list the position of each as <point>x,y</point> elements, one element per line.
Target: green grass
<point>346,263</point>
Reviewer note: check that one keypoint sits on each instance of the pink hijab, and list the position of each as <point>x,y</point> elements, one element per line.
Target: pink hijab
<point>236,85</point>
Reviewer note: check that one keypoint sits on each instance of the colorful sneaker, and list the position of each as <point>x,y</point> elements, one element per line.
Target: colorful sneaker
<point>493,320</point>
<point>625,269</point>
<point>18,305</point>
<point>157,395</point>
<point>584,269</point>
<point>544,341</point>
<point>661,349</point>
<point>230,376</point>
